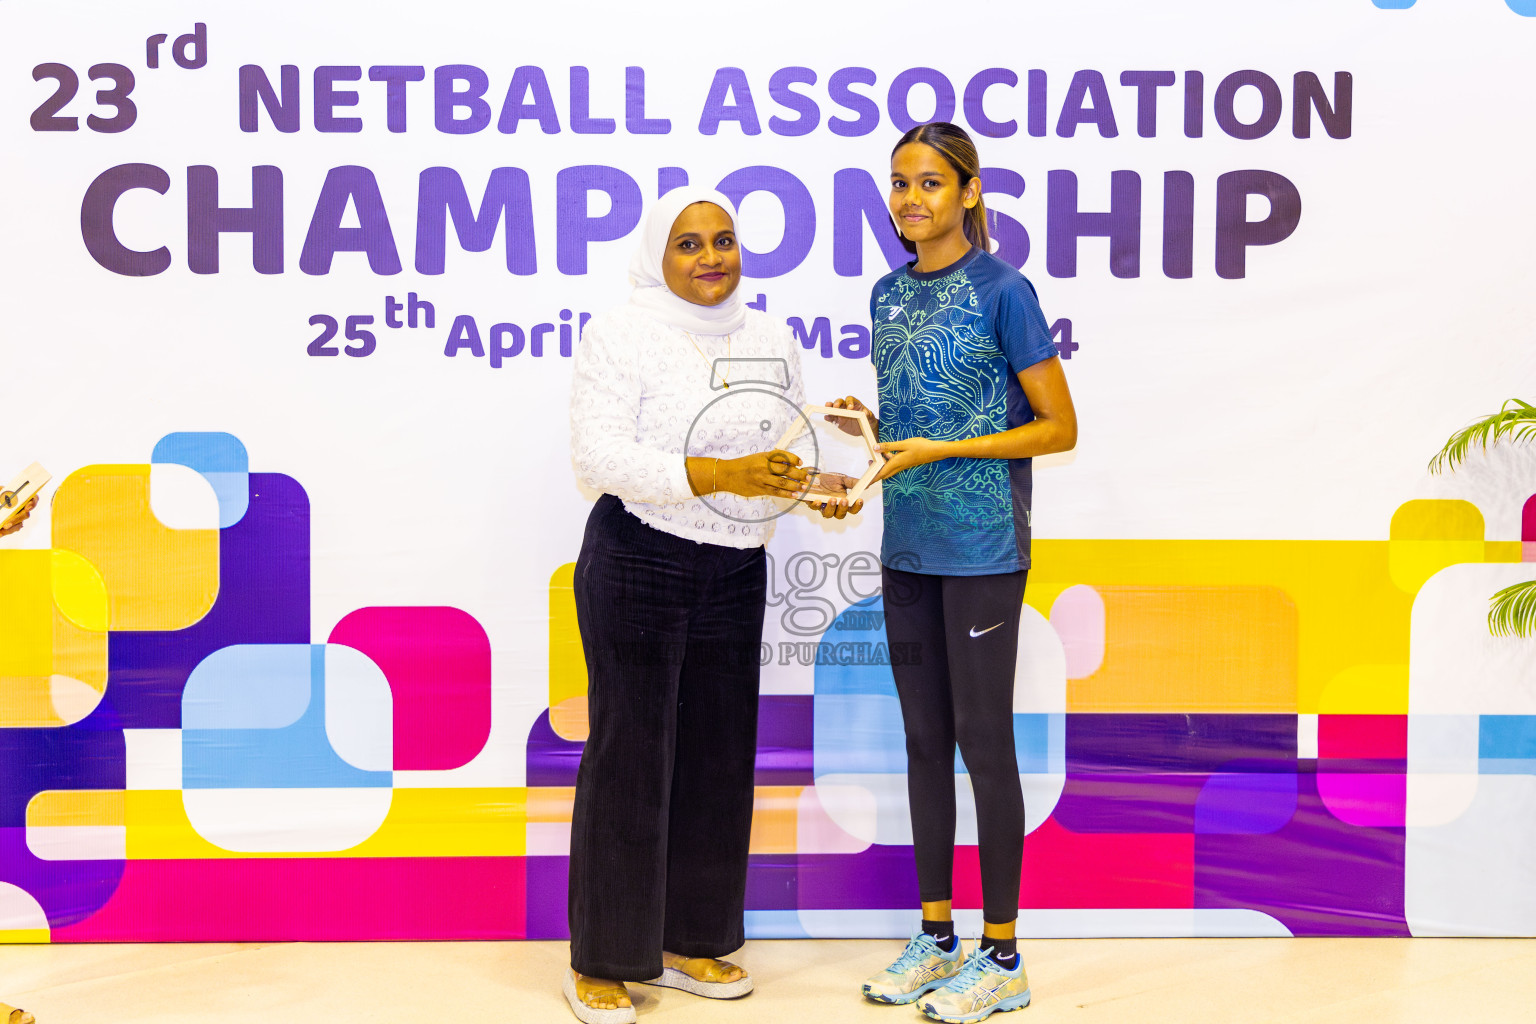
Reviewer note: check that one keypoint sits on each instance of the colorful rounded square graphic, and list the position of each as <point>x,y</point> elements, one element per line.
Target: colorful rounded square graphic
<point>157,577</point>
<point>1429,535</point>
<point>286,747</point>
<point>220,459</point>
<point>1210,735</point>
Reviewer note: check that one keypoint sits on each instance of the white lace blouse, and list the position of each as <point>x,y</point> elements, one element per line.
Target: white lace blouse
<point>644,396</point>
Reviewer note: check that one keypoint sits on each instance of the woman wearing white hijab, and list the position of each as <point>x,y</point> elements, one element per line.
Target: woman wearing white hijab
<point>670,588</point>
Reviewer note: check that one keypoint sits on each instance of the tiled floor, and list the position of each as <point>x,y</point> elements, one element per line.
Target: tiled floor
<point>1125,981</point>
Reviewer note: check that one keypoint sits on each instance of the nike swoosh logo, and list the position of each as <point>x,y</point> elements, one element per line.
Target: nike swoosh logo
<point>976,632</point>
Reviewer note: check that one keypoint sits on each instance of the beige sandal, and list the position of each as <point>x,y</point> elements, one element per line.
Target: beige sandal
<point>591,1014</point>
<point>673,977</point>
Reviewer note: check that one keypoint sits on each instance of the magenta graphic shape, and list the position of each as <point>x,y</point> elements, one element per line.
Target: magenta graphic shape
<point>438,663</point>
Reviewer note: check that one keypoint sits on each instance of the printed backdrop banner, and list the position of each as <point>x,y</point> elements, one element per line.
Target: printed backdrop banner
<point>291,295</point>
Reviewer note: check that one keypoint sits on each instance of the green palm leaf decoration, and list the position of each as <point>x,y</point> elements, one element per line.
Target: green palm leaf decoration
<point>1512,611</point>
<point>1515,421</point>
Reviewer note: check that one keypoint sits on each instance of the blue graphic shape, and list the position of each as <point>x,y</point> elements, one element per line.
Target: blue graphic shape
<point>851,625</point>
<point>858,734</point>
<point>248,686</point>
<point>1506,745</point>
<point>221,459</point>
<point>1041,743</point>
<point>1245,803</point>
<point>261,755</point>
<point>1394,5</point>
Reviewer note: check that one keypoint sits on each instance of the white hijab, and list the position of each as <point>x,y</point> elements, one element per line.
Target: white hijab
<point>652,296</point>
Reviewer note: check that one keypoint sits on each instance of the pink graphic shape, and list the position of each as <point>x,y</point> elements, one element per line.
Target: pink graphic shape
<point>1528,530</point>
<point>1361,737</point>
<point>438,663</point>
<point>1360,768</point>
<point>1078,618</point>
<point>346,899</point>
<point>1365,799</point>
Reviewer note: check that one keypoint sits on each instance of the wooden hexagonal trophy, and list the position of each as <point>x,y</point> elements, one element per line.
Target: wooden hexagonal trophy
<point>866,430</point>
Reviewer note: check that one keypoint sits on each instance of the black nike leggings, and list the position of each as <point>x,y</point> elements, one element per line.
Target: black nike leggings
<point>960,689</point>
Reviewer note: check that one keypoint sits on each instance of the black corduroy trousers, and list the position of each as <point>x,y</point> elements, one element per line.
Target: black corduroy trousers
<point>671,629</point>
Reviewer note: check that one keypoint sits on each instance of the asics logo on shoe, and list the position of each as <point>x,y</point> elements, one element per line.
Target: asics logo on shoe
<point>982,996</point>
<point>978,632</point>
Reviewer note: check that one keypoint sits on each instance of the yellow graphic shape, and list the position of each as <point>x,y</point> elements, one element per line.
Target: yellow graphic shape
<point>568,719</point>
<point>79,591</point>
<point>567,663</point>
<point>1349,612</point>
<point>156,578</point>
<point>1194,649</point>
<point>53,665</point>
<point>19,936</point>
<point>77,808</point>
<point>550,805</point>
<point>775,819</point>
<point>480,822</point>
<point>1366,690</point>
<point>1429,535</point>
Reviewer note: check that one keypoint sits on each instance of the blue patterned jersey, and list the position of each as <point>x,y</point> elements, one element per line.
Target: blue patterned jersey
<point>948,347</point>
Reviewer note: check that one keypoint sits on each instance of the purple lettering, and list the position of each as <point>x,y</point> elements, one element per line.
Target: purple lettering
<point>576,228</point>
<point>1235,232</point>
<point>395,79</point>
<point>255,87</point>
<point>799,218</point>
<point>975,102</point>
<point>96,212</point>
<point>729,99</point>
<point>326,237</point>
<point>528,96</point>
<point>207,220</point>
<point>1087,102</point>
<point>781,93</point>
<point>1065,224</point>
<point>508,199</point>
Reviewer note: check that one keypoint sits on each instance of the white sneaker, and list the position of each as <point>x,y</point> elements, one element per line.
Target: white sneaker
<point>922,967</point>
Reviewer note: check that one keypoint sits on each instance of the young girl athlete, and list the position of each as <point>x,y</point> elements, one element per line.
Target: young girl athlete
<point>970,388</point>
